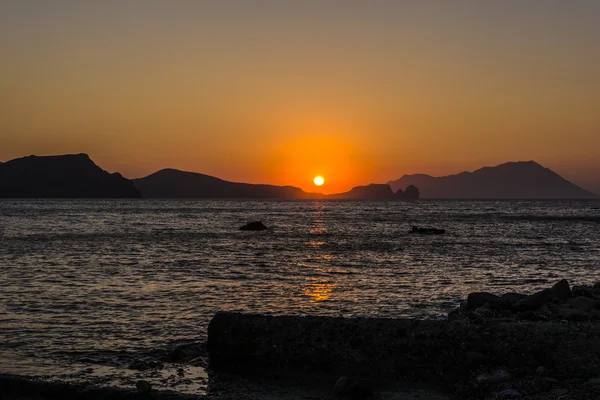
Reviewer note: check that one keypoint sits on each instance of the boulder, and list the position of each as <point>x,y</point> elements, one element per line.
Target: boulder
<point>512,298</point>
<point>586,291</point>
<point>254,226</point>
<point>139,365</point>
<point>535,300</point>
<point>561,291</point>
<point>479,299</point>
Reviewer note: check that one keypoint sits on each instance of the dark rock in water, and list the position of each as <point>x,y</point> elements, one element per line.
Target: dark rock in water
<point>139,365</point>
<point>143,387</point>
<point>341,386</point>
<point>411,193</point>
<point>535,300</point>
<point>562,291</point>
<point>427,231</point>
<point>155,365</point>
<point>254,226</point>
<point>597,285</point>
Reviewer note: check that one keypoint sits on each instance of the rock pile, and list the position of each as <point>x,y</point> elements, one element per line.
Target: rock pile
<point>560,302</point>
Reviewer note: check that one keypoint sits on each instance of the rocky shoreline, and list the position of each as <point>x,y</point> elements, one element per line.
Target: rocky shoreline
<point>544,345</point>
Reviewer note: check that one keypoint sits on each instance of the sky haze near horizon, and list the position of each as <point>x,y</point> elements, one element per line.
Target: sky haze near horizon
<point>265,91</point>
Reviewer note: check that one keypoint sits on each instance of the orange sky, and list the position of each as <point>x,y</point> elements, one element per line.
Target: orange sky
<point>275,92</point>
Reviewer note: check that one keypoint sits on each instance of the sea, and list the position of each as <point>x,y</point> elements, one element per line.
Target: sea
<point>88,285</point>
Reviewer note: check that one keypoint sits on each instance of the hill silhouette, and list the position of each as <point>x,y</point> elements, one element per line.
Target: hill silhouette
<point>65,176</point>
<point>173,183</point>
<point>513,180</point>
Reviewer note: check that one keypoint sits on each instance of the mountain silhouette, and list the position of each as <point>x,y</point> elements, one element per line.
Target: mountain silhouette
<point>65,176</point>
<point>513,180</point>
<point>172,183</point>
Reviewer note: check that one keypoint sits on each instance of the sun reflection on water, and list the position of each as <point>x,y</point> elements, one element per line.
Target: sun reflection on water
<point>319,292</point>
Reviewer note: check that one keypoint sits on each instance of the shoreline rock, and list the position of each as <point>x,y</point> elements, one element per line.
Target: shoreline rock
<point>556,303</point>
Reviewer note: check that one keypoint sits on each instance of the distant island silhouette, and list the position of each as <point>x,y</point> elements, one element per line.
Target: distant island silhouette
<point>172,183</point>
<point>77,176</point>
<point>66,176</point>
<point>513,180</point>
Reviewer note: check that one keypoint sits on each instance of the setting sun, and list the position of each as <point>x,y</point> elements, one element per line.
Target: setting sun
<point>319,180</point>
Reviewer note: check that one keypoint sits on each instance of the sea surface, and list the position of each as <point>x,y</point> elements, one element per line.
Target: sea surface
<point>84,282</point>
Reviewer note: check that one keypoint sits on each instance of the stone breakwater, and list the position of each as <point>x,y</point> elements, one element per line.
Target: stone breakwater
<point>478,359</point>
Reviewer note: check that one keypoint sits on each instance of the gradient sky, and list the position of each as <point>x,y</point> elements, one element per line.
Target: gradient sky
<point>280,91</point>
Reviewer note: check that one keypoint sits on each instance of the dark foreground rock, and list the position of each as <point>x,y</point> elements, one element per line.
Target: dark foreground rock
<point>254,226</point>
<point>559,302</point>
<point>472,360</point>
<point>427,231</point>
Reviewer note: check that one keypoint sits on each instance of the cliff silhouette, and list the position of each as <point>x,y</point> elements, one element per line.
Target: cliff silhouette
<point>65,176</point>
<point>513,180</point>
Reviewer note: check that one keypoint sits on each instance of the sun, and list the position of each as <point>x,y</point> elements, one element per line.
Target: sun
<point>319,180</point>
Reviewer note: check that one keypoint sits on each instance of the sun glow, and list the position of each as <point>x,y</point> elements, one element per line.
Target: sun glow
<point>319,180</point>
